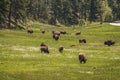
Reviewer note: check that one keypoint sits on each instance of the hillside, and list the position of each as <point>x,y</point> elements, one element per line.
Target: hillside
<point>21,59</point>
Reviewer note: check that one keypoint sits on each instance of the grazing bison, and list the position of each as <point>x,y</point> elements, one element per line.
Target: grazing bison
<point>61,48</point>
<point>78,33</point>
<point>82,58</point>
<point>43,31</point>
<point>44,48</point>
<point>109,43</point>
<point>62,32</point>
<point>82,41</point>
<point>56,35</point>
<point>30,31</point>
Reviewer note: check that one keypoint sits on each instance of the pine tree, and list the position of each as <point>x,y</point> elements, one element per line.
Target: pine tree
<point>16,13</point>
<point>3,12</point>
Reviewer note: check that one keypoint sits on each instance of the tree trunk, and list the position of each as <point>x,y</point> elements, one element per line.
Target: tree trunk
<point>101,19</point>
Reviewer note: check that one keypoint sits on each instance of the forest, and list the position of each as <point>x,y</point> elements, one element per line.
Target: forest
<point>15,13</point>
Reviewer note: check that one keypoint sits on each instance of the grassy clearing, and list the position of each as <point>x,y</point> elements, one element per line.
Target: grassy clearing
<point>20,58</point>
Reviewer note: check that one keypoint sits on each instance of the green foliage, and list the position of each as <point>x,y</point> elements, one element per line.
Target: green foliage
<point>3,11</point>
<point>115,6</point>
<point>13,13</point>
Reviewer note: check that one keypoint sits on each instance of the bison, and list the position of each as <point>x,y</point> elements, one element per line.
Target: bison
<point>43,31</point>
<point>78,33</point>
<point>109,43</point>
<point>30,31</point>
<point>82,58</point>
<point>44,48</point>
<point>56,35</point>
<point>63,32</point>
<point>61,48</point>
<point>82,41</point>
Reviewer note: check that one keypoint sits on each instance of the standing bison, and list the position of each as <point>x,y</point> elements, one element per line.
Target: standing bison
<point>82,58</point>
<point>109,43</point>
<point>44,48</point>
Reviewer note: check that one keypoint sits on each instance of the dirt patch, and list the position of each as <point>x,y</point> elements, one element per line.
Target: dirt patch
<point>24,48</point>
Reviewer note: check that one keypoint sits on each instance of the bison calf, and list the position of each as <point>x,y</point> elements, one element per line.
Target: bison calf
<point>44,48</point>
<point>61,48</point>
<point>82,58</point>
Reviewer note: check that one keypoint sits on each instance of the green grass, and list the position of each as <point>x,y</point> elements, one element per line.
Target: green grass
<point>21,59</point>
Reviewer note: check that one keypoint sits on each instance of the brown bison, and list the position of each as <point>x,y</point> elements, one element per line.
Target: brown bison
<point>56,35</point>
<point>43,31</point>
<point>44,48</point>
<point>63,32</point>
<point>82,41</point>
<point>61,48</point>
<point>78,33</point>
<point>30,31</point>
<point>82,58</point>
<point>109,43</point>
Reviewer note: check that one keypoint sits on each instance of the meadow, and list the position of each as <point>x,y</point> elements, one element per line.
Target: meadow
<point>21,59</point>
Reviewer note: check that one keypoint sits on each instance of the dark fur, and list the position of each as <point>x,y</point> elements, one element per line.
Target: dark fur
<point>56,35</point>
<point>82,58</point>
<point>62,32</point>
<point>61,49</point>
<point>109,43</point>
<point>43,31</point>
<point>82,41</point>
<point>78,33</point>
<point>44,48</point>
<point>30,31</point>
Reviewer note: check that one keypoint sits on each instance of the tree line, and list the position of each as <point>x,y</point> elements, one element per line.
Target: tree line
<point>65,12</point>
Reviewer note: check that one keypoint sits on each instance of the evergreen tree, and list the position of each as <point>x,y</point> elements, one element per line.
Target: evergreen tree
<point>66,12</point>
<point>93,15</point>
<point>16,13</point>
<point>3,11</point>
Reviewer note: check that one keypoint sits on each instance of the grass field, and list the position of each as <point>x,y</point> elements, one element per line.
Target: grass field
<point>21,59</point>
